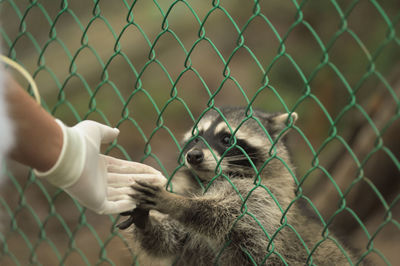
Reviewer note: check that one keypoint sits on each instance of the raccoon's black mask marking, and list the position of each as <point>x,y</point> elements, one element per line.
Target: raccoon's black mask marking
<point>217,141</point>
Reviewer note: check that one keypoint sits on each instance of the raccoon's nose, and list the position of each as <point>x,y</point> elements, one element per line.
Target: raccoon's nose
<point>195,156</point>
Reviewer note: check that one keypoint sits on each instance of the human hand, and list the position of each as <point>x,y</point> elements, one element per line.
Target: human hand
<point>99,182</point>
<point>122,175</point>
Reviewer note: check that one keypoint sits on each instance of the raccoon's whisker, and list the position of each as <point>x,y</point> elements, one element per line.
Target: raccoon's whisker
<point>211,164</point>
<point>223,162</point>
<point>242,155</point>
<point>226,160</point>
<point>238,168</point>
<point>236,157</point>
<point>239,158</point>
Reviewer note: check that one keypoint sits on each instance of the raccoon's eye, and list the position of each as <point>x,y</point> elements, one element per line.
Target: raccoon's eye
<point>226,139</point>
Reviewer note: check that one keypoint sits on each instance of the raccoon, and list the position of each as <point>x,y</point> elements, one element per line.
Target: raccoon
<point>231,203</point>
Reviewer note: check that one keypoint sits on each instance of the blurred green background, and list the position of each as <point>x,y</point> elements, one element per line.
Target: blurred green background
<point>152,67</point>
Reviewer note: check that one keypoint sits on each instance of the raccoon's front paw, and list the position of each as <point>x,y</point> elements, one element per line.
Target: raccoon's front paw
<point>152,196</point>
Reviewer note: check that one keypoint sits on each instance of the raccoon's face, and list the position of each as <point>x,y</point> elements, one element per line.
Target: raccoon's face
<point>231,143</point>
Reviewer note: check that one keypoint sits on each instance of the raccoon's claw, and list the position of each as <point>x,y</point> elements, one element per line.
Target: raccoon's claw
<point>127,213</point>
<point>128,222</point>
<point>146,194</point>
<point>138,217</point>
<point>146,188</point>
<point>125,224</point>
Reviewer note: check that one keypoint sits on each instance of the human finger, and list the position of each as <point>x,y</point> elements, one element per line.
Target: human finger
<point>115,165</point>
<point>125,180</point>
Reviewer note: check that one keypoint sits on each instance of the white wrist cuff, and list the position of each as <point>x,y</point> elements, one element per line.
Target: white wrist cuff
<point>69,166</point>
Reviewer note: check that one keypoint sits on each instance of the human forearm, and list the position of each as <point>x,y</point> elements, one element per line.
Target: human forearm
<point>38,138</point>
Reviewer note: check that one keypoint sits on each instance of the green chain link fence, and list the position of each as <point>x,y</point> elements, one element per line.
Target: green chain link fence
<point>151,68</point>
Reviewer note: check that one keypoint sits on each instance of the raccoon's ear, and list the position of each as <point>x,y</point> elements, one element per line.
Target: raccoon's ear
<point>279,122</point>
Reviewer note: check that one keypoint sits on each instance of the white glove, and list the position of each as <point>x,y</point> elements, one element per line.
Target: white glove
<point>99,182</point>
